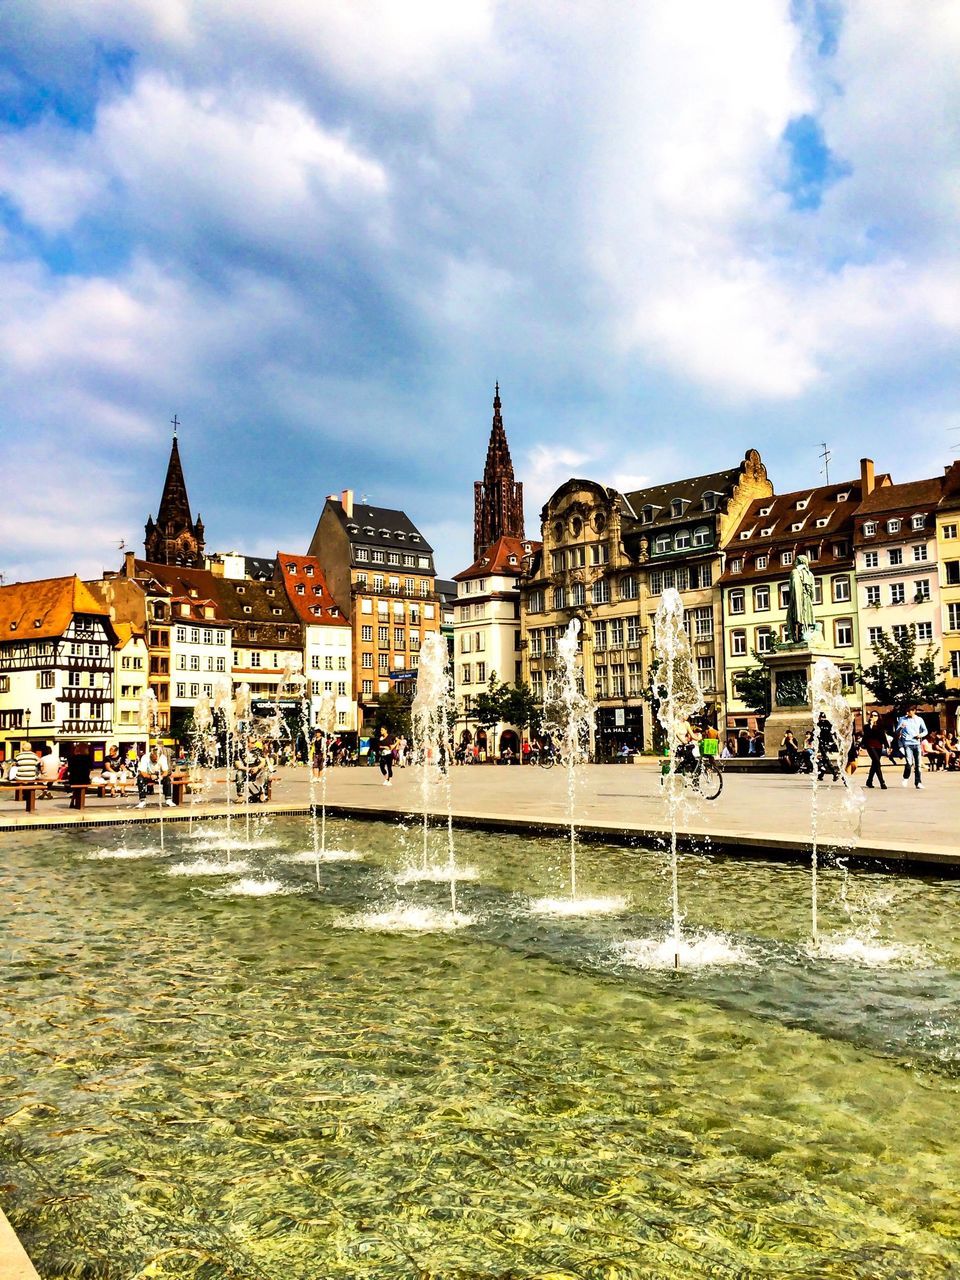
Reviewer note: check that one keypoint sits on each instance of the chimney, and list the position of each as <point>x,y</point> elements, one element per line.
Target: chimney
<point>867,479</point>
<point>346,501</point>
<point>129,567</point>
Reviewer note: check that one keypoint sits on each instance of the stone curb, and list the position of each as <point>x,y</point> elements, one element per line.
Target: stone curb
<point>14,1263</point>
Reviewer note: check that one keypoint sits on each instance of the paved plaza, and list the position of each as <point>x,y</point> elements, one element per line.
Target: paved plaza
<point>755,812</point>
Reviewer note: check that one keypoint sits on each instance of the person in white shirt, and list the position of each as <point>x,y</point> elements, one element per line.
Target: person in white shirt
<point>49,773</point>
<point>154,767</point>
<point>911,732</point>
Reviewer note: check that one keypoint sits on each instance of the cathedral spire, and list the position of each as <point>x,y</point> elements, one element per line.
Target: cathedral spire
<point>174,538</point>
<point>498,498</point>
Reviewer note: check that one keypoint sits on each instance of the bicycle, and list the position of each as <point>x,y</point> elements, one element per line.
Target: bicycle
<point>703,773</point>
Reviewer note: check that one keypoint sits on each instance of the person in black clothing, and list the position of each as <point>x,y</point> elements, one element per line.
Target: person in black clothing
<point>385,753</point>
<point>827,749</point>
<point>874,743</point>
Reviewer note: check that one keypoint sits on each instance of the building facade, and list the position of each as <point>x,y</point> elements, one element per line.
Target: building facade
<point>380,571</point>
<point>174,538</point>
<point>498,497</point>
<point>327,634</point>
<point>948,563</point>
<point>57,644</point>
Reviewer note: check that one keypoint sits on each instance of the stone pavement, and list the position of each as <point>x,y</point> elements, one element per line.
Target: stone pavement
<point>756,814</point>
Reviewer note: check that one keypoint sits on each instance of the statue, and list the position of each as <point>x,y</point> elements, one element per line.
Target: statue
<point>800,620</point>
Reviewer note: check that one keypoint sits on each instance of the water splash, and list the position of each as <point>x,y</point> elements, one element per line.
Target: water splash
<point>691,952</point>
<point>405,918</point>
<point>430,719</point>
<point>833,733</point>
<point>678,694</point>
<point>564,907</point>
<point>144,851</point>
<point>435,873</point>
<point>206,867</point>
<point>249,888</point>
<point>328,855</point>
<point>568,719</point>
<point>867,951</point>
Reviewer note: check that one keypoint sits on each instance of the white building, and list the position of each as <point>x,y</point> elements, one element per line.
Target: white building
<point>486,636</point>
<point>327,638</point>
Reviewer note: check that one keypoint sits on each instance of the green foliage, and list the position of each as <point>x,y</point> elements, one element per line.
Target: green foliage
<point>898,677</point>
<point>503,703</point>
<point>753,687</point>
<point>393,711</point>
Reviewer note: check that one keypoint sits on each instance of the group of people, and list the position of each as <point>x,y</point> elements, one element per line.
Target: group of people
<point>744,744</point>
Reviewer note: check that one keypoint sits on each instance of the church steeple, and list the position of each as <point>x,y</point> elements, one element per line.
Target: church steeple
<point>174,538</point>
<point>497,498</point>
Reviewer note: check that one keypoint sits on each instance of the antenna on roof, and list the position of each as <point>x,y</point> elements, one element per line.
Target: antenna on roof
<point>122,544</point>
<point>826,456</point>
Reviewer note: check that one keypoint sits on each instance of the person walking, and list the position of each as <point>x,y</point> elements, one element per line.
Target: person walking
<point>874,742</point>
<point>385,755</point>
<point>911,732</point>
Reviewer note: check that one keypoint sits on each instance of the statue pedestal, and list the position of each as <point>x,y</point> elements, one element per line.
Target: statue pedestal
<point>791,677</point>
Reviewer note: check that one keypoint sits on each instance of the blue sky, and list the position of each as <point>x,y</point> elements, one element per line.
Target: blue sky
<point>673,231</point>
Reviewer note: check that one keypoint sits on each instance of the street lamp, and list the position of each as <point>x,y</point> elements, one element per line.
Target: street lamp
<point>26,720</point>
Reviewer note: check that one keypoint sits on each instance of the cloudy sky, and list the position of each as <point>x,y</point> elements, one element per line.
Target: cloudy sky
<point>319,230</point>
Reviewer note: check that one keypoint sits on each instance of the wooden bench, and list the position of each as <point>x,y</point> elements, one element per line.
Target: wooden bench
<point>78,794</point>
<point>26,791</point>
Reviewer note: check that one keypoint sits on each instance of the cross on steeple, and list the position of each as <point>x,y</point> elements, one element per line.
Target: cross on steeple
<point>175,422</point>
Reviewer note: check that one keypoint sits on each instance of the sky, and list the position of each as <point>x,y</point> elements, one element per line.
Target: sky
<point>319,231</point>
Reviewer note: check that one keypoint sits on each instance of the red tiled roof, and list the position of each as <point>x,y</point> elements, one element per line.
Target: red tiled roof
<point>292,571</point>
<point>908,497</point>
<point>495,561</point>
<point>199,586</point>
<point>43,609</point>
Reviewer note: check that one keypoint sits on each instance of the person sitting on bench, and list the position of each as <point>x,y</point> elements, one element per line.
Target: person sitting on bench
<point>154,767</point>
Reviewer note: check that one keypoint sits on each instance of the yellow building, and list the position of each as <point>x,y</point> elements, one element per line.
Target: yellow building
<point>948,556</point>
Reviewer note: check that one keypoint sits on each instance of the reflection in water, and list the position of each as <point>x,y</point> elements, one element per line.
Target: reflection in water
<point>207,1088</point>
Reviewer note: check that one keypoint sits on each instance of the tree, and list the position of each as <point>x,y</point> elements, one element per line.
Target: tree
<point>393,712</point>
<point>752,687</point>
<point>899,678</point>
<point>521,708</point>
<point>487,709</point>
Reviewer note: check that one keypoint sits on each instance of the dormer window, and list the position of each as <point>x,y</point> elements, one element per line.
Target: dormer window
<point>241,591</point>
<point>308,570</point>
<point>677,506</point>
<point>709,501</point>
<point>369,530</point>
<point>839,550</point>
<point>277,613</point>
<point>355,528</point>
<point>736,566</point>
<point>270,591</point>
<point>822,522</point>
<point>893,526</point>
<point>765,511</point>
<point>511,559</point>
<point>797,526</point>
<point>842,497</point>
<point>334,613</point>
<point>291,568</point>
<point>647,515</point>
<point>869,528</point>
<point>414,537</point>
<point>919,521</point>
<point>765,533</point>
<point>247,609</point>
<point>745,534</point>
<point>315,610</point>
<point>802,504</point>
<point>761,562</point>
<point>400,537</point>
<point>300,589</point>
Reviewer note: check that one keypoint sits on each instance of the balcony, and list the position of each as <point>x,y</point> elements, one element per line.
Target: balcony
<point>86,726</point>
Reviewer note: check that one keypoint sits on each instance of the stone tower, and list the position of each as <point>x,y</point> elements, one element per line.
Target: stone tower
<point>497,498</point>
<point>174,538</point>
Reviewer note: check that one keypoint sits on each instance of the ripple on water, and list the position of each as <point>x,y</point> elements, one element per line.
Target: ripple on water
<point>868,952</point>
<point>405,918</point>
<point>326,855</point>
<point>694,952</point>
<point>436,873</point>
<point>577,906</point>
<point>223,843</point>
<point>208,867</point>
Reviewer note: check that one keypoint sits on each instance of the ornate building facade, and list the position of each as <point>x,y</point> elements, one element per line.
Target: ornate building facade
<point>174,538</point>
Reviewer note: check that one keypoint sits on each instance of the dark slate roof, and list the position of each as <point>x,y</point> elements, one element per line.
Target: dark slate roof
<point>690,490</point>
<point>382,518</point>
<point>267,602</point>
<point>259,568</point>
<point>445,587</point>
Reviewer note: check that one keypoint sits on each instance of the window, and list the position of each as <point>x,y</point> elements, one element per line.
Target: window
<point>559,598</point>
<point>601,591</point>
<point>953,617</point>
<point>44,680</point>
<point>738,644</point>
<point>378,582</point>
<point>378,557</point>
<point>872,596</point>
<point>783,594</point>
<point>706,673</point>
<point>736,566</point>
<point>599,637</point>
<point>47,712</point>
<point>871,559</point>
<point>634,680</point>
<point>874,635</point>
<point>952,573</point>
<point>898,593</point>
<point>955,663</point>
<point>662,543</point>
<point>761,562</point>
<point>221,664</point>
<point>764,638</point>
<point>893,526</point>
<point>918,522</point>
<point>578,594</point>
<point>702,619</point>
<point>466,673</point>
<point>398,637</point>
<point>925,632</point>
<point>366,660</point>
<point>848,680</point>
<point>840,588</point>
<point>701,536</point>
<point>681,540</point>
<point>366,687</point>
<point>786,558</point>
<point>736,601</point>
<point>949,531</point>
<point>599,554</point>
<point>896,556</point>
<point>921,590</point>
<point>919,552</point>
<point>181,690</point>
<point>900,632</point>
<point>383,662</point>
<point>616,633</point>
<point>383,636</point>
<point>761,599</point>
<point>616,681</point>
<point>181,635</point>
<point>481,672</point>
<point>601,687</point>
<point>194,691</point>
<point>628,587</point>
<point>535,602</point>
<point>843,632</point>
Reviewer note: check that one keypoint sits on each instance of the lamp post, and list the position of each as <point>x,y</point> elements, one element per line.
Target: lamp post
<point>26,721</point>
